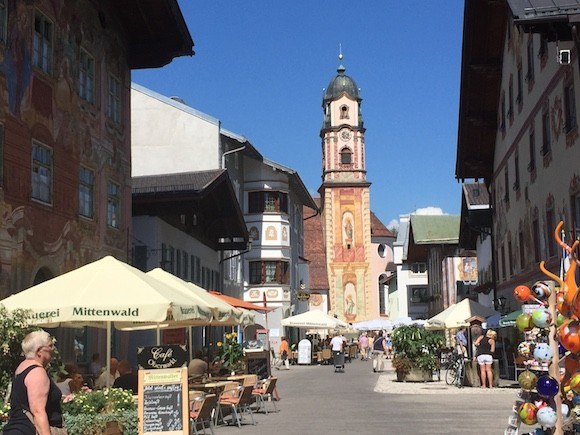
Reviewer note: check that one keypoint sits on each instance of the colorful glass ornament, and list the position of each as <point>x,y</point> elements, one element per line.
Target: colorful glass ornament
<point>546,416</point>
<point>570,335</point>
<point>543,352</point>
<point>527,413</point>
<point>527,380</point>
<point>541,317</point>
<point>547,386</point>
<point>524,322</point>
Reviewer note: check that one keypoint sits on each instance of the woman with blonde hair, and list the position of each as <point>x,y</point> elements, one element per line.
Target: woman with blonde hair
<point>35,401</point>
<point>485,348</point>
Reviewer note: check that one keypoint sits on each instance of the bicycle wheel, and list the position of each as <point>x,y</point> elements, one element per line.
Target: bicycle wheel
<point>460,374</point>
<point>452,374</point>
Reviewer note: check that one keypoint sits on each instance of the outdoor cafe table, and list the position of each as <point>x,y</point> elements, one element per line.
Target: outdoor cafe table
<point>211,387</point>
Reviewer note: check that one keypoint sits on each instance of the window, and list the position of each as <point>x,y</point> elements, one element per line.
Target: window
<point>87,77</point>
<point>268,201</point>
<point>43,37</point>
<point>532,164</point>
<point>569,107</point>
<point>520,96</point>
<point>510,257</point>
<point>506,197</point>
<point>114,105</point>
<point>517,172</point>
<point>3,20</point>
<point>345,156</point>
<point>575,208</point>
<point>86,192</point>
<point>178,263</point>
<point>269,272</point>
<point>419,295</point>
<point>550,225</point>
<point>382,304</point>
<point>503,270</point>
<point>419,267</point>
<point>511,97</point>
<point>530,74</point>
<point>502,114</point>
<point>344,112</point>
<point>536,236</point>
<point>546,138</point>
<point>522,250</point>
<point>41,173</point>
<point>113,205</point>
<point>185,275</point>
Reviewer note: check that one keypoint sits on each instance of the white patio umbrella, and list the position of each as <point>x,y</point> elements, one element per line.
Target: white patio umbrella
<point>104,292</point>
<point>374,325</point>
<point>314,319</point>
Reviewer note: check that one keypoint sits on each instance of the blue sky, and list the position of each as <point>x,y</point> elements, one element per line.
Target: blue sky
<point>261,66</point>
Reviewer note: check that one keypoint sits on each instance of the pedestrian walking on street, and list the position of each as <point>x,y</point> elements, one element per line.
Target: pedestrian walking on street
<point>363,345</point>
<point>379,349</point>
<point>284,351</point>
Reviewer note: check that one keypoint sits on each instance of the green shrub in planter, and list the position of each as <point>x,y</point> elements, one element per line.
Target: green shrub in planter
<point>96,424</point>
<point>88,412</point>
<point>414,346</point>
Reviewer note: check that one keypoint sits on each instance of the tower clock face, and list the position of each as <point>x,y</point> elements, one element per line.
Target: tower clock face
<point>345,134</point>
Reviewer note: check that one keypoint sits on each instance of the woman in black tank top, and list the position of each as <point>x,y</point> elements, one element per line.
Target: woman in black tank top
<point>485,349</point>
<point>35,397</point>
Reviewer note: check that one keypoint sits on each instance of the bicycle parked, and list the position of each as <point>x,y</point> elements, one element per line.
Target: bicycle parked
<point>455,370</point>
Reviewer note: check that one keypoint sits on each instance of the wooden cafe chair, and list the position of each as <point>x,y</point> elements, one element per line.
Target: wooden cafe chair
<point>239,400</point>
<point>201,410</point>
<point>264,392</point>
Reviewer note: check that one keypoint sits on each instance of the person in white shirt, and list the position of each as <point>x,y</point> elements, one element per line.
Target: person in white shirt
<point>337,343</point>
<point>101,381</point>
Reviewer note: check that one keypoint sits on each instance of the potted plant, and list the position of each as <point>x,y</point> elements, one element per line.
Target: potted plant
<point>416,353</point>
<point>111,411</point>
<point>230,353</point>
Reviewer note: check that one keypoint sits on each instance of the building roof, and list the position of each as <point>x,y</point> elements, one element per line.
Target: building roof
<point>339,85</point>
<point>378,229</point>
<point>435,229</point>
<point>484,28</point>
<point>544,12</point>
<point>156,31</point>
<point>475,214</point>
<point>296,183</point>
<point>314,249</point>
<point>202,204</point>
<point>476,196</point>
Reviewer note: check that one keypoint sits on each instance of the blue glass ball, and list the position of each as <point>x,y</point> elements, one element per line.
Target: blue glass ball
<point>547,386</point>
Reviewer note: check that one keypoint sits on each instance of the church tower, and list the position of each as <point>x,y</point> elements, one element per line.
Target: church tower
<point>345,201</point>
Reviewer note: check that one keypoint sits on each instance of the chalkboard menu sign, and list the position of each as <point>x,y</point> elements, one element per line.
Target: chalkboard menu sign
<point>161,357</point>
<point>258,363</point>
<point>163,402</point>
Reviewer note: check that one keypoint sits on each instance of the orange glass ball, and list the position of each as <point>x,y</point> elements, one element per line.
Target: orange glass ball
<point>570,335</point>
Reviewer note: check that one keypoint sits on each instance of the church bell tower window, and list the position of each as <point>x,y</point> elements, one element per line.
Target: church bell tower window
<point>344,112</point>
<point>346,156</point>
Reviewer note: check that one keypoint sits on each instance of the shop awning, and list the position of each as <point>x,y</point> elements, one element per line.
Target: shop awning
<point>509,319</point>
<point>239,303</point>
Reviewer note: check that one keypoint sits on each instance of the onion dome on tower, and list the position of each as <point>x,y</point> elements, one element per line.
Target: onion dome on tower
<point>340,85</point>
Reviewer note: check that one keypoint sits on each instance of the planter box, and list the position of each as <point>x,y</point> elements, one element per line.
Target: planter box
<point>415,375</point>
<point>113,428</point>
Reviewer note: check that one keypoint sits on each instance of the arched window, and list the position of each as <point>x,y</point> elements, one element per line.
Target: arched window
<point>344,112</point>
<point>346,156</point>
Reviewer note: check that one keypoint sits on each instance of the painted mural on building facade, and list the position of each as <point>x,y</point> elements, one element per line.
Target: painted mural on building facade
<point>56,70</point>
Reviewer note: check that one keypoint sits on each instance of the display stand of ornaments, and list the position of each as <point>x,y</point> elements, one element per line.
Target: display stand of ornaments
<point>550,395</point>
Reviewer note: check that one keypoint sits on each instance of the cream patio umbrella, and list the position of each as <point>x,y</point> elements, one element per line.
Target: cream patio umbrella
<point>457,314</point>
<point>223,313</point>
<point>314,319</point>
<point>104,292</point>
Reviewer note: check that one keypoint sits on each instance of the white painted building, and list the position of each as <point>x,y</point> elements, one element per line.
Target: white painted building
<point>411,277</point>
